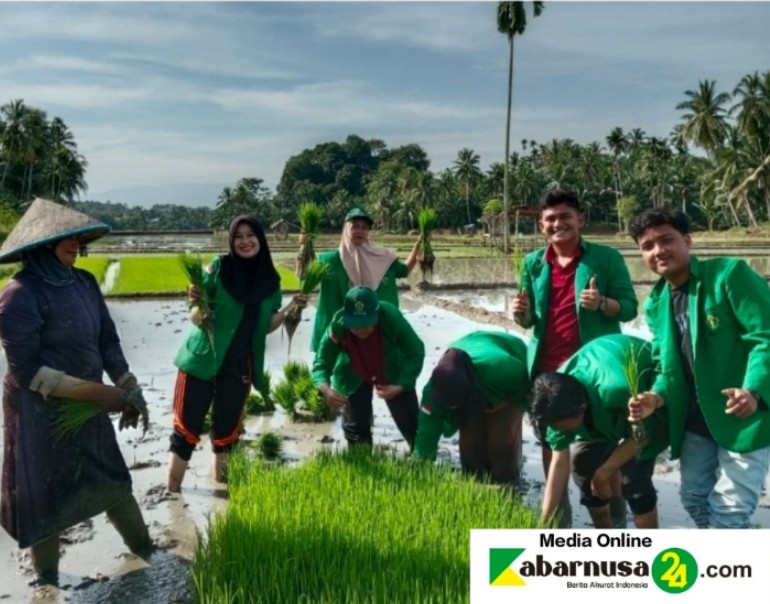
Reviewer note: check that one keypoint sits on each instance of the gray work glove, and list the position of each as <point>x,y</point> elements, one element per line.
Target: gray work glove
<point>137,408</point>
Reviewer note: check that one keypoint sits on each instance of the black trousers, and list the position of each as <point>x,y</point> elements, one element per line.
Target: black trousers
<point>357,416</point>
<point>227,392</point>
<point>490,445</point>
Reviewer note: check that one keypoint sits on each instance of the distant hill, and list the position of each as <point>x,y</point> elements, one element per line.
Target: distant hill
<point>191,195</point>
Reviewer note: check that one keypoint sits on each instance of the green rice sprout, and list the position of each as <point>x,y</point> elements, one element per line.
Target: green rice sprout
<point>314,274</point>
<point>294,371</point>
<point>306,391</point>
<point>309,216</point>
<point>270,446</point>
<point>518,263</point>
<point>193,268</point>
<point>426,220</point>
<point>285,398</point>
<point>633,377</point>
<point>73,415</point>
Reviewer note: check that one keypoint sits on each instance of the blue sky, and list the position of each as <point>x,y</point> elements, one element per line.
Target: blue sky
<point>161,95</point>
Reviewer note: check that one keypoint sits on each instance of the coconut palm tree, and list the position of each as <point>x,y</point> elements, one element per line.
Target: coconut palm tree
<point>705,121</point>
<point>617,141</point>
<point>511,21</point>
<point>466,168</point>
<point>13,143</point>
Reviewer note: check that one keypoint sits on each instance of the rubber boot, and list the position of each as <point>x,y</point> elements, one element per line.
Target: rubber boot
<point>219,467</point>
<point>126,517</point>
<point>176,469</point>
<point>45,560</point>
<point>618,512</point>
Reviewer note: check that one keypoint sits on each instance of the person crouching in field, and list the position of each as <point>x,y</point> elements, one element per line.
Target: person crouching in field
<point>369,347</point>
<point>219,369</point>
<point>585,406</point>
<point>710,321</point>
<point>479,386</point>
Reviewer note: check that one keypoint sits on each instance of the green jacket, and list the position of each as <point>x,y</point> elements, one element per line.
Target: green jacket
<point>404,354</point>
<point>336,284</point>
<point>196,355</point>
<point>598,366</point>
<point>612,279</point>
<point>500,371</point>
<point>730,331</point>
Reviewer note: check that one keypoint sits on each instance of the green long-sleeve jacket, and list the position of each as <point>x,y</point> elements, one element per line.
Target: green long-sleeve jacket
<point>730,330</point>
<point>612,279</point>
<point>336,284</point>
<point>196,355</point>
<point>500,372</point>
<point>404,354</point>
<point>598,366</point>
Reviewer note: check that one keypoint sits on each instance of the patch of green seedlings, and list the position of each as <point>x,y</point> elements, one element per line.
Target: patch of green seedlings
<point>633,379</point>
<point>192,266</point>
<point>309,216</point>
<point>382,529</point>
<point>96,265</point>
<point>261,401</point>
<point>72,416</point>
<point>299,396</point>
<point>270,446</point>
<point>518,263</point>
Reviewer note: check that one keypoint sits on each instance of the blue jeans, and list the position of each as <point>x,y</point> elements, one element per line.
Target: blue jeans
<point>720,488</point>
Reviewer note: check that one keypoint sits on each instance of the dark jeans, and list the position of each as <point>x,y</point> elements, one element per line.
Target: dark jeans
<point>192,399</point>
<point>638,489</point>
<point>490,445</point>
<point>357,416</point>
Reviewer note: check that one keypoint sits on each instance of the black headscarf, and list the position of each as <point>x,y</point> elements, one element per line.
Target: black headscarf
<point>45,264</point>
<point>453,386</point>
<point>249,280</point>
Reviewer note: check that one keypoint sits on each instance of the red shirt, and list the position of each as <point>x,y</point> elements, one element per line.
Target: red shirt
<point>562,330</point>
<point>367,356</point>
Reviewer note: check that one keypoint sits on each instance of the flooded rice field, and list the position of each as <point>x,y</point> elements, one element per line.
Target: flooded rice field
<point>96,566</point>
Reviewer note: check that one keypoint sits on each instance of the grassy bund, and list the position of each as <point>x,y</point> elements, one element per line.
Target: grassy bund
<point>356,527</point>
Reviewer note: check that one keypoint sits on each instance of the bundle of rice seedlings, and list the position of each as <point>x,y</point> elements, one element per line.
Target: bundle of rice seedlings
<point>309,216</point>
<point>72,416</point>
<point>632,375</point>
<point>294,371</point>
<point>285,398</point>
<point>193,268</point>
<point>315,273</point>
<point>270,446</point>
<point>313,400</point>
<point>426,220</point>
<point>518,263</point>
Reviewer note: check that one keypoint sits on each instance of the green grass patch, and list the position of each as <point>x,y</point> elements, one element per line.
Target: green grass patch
<point>163,275</point>
<point>359,527</point>
<point>96,265</point>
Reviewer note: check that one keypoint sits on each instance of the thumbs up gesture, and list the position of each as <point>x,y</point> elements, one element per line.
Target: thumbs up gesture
<point>590,297</point>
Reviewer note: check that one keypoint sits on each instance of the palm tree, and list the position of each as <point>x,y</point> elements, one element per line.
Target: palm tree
<point>511,21</point>
<point>617,141</point>
<point>13,142</point>
<point>705,123</point>
<point>466,167</point>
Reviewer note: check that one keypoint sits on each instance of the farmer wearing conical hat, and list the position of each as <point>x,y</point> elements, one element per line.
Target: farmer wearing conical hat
<point>357,261</point>
<point>59,339</point>
<point>480,387</point>
<point>223,355</point>
<point>369,347</point>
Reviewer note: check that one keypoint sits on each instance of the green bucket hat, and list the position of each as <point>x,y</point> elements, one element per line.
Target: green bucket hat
<point>361,308</point>
<point>44,222</point>
<point>359,213</point>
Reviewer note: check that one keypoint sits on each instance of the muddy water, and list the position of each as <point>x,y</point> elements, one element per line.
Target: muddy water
<point>96,566</point>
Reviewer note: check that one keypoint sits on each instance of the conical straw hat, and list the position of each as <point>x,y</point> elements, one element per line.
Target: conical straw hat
<point>46,221</point>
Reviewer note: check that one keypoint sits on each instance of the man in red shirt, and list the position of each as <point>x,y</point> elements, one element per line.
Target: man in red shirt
<point>572,291</point>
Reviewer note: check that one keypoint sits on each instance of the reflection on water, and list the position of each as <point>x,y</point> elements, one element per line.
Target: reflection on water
<point>500,270</point>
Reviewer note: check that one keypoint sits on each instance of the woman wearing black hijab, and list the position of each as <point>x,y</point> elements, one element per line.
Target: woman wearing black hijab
<point>243,288</point>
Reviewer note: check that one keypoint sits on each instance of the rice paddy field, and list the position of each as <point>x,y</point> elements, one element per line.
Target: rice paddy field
<point>357,527</point>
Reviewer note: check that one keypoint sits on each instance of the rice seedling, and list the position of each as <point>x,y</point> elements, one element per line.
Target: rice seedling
<point>72,416</point>
<point>315,273</point>
<point>633,379</point>
<point>284,397</point>
<point>193,268</point>
<point>294,371</point>
<point>426,220</point>
<point>518,263</point>
<point>359,527</point>
<point>270,446</point>
<point>309,216</point>
<point>313,401</point>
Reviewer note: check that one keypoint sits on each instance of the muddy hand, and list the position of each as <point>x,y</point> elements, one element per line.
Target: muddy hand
<point>193,295</point>
<point>300,300</point>
<point>139,409</point>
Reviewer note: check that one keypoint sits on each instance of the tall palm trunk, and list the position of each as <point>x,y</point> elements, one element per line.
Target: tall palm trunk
<point>506,198</point>
<point>468,198</point>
